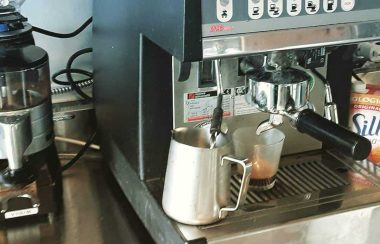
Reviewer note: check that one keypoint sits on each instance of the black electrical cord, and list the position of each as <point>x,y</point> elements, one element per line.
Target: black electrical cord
<point>75,84</point>
<point>60,35</point>
<point>70,77</point>
<point>320,76</point>
<point>72,71</point>
<point>89,141</point>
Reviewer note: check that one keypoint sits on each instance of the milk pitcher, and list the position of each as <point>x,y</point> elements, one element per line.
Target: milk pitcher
<point>197,182</point>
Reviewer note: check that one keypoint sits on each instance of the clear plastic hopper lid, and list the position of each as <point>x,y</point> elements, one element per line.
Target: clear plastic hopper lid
<point>15,3</point>
<point>24,78</point>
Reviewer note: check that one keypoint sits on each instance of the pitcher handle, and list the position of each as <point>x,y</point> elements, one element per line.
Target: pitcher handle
<point>247,167</point>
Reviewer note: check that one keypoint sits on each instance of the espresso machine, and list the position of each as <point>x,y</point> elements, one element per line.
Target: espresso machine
<point>284,64</point>
<point>30,175</point>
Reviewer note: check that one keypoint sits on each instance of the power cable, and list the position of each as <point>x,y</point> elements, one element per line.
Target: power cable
<point>61,35</point>
<point>89,141</point>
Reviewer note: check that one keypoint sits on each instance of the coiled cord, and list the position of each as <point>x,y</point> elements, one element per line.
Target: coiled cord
<point>74,85</point>
<point>69,76</point>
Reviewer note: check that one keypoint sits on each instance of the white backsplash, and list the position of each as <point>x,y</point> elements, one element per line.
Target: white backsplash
<point>63,17</point>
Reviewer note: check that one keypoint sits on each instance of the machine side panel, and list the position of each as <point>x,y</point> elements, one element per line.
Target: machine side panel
<point>130,100</point>
<point>116,75</point>
<point>155,109</point>
<point>175,26</point>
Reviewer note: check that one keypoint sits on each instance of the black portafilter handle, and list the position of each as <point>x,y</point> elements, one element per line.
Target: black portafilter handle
<point>333,134</point>
<point>217,118</point>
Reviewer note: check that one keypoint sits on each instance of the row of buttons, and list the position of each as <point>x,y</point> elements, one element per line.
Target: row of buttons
<point>224,8</point>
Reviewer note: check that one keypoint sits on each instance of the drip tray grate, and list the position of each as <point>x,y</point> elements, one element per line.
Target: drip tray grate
<point>293,180</point>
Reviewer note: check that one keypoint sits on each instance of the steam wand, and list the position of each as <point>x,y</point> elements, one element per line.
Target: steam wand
<point>331,110</point>
<point>217,116</point>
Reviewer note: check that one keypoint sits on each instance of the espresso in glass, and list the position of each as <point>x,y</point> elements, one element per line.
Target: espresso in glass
<point>264,151</point>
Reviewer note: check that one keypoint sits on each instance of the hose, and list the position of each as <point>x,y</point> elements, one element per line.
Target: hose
<point>66,89</point>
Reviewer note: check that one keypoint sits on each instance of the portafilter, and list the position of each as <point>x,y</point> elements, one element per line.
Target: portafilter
<point>285,93</point>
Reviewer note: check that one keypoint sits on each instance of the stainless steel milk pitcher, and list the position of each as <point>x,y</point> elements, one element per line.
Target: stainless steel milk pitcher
<point>197,182</point>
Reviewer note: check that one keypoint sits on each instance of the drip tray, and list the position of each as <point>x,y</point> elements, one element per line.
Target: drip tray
<point>310,188</point>
<point>292,181</point>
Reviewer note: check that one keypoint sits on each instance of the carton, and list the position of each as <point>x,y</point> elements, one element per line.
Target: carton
<point>365,115</point>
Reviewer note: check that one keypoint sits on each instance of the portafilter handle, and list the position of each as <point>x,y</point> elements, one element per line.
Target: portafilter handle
<point>17,134</point>
<point>326,131</point>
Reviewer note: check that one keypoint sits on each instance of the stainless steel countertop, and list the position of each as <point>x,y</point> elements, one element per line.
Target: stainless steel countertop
<point>94,211</point>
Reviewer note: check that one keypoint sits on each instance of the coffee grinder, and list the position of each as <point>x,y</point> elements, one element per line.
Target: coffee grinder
<point>29,176</point>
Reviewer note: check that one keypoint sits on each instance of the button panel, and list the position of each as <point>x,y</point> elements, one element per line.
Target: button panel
<point>260,9</point>
<point>275,8</point>
<point>294,7</point>
<point>255,9</point>
<point>312,6</point>
<point>224,10</point>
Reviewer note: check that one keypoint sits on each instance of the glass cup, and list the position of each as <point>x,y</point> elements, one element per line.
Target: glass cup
<point>263,151</point>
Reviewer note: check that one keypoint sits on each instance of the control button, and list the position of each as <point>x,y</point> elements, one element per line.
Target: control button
<point>255,9</point>
<point>224,10</point>
<point>312,6</point>
<point>330,5</point>
<point>275,8</point>
<point>294,7</point>
<point>348,5</point>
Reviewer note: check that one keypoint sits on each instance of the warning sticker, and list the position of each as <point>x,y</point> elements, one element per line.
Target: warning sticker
<point>241,106</point>
<point>21,213</point>
<point>199,106</point>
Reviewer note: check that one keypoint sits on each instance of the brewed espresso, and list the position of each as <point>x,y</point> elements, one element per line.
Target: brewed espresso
<point>263,175</point>
<point>263,170</point>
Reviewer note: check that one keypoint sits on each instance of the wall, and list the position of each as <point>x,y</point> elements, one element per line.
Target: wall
<point>63,17</point>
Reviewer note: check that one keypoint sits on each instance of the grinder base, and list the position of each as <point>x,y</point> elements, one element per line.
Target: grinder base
<point>42,196</point>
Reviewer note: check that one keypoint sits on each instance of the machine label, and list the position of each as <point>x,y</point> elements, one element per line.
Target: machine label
<point>241,106</point>
<point>21,213</point>
<point>199,106</point>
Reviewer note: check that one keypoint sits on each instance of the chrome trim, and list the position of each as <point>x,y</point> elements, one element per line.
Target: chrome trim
<point>42,127</point>
<point>252,43</point>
